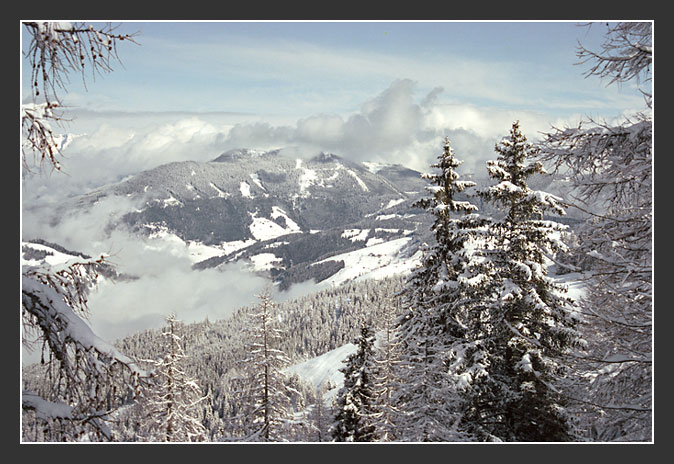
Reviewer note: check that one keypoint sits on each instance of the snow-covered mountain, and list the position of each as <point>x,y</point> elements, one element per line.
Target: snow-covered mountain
<point>297,219</point>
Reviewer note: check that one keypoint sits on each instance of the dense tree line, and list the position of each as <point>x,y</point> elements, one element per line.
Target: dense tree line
<point>313,325</point>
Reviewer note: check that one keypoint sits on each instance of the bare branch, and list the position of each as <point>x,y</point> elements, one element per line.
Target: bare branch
<point>625,55</point>
<point>56,50</point>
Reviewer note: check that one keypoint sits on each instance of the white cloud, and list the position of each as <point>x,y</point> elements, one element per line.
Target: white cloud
<point>189,131</point>
<point>395,126</point>
<point>122,307</point>
<point>109,148</point>
<point>164,280</point>
<point>322,129</point>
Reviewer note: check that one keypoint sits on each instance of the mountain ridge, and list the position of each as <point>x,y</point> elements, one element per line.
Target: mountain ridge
<point>283,215</point>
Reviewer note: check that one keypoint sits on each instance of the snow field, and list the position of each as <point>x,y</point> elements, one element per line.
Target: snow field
<point>256,180</point>
<point>373,262</point>
<point>325,368</point>
<point>221,193</point>
<point>264,261</point>
<point>266,229</point>
<point>356,234</point>
<point>162,239</point>
<point>245,189</point>
<point>55,258</point>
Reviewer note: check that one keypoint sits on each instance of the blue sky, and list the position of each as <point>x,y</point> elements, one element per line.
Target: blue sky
<point>297,69</point>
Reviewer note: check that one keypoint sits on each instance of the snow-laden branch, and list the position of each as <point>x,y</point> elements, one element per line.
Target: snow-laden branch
<point>44,409</point>
<point>84,366</point>
<point>40,300</point>
<point>613,406</point>
<point>38,135</point>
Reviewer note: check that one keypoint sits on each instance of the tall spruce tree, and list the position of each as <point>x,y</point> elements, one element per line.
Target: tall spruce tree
<point>387,382</point>
<point>355,400</point>
<point>436,299</point>
<point>268,407</point>
<point>171,406</point>
<point>526,325</point>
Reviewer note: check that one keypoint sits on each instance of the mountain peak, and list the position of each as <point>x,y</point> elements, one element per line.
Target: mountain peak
<point>324,157</point>
<point>237,154</point>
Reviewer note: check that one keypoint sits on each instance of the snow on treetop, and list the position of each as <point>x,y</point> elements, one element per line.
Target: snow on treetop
<point>51,31</point>
<point>505,186</point>
<point>548,200</point>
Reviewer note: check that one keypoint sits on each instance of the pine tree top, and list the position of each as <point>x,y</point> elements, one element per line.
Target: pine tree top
<point>445,184</point>
<point>443,188</point>
<point>511,170</point>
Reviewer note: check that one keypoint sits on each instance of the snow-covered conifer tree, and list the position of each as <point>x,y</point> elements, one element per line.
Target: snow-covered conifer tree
<point>171,406</point>
<point>267,413</point>
<point>212,423</point>
<point>525,327</point>
<point>437,298</point>
<point>611,168</point>
<point>321,416</point>
<point>355,400</point>
<point>387,382</point>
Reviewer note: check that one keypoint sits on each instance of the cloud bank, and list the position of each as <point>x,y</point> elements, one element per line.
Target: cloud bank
<point>162,280</point>
<point>397,126</point>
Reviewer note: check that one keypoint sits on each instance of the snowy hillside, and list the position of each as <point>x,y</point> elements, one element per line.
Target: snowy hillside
<point>378,259</point>
<point>323,371</point>
<point>34,254</point>
<point>39,253</point>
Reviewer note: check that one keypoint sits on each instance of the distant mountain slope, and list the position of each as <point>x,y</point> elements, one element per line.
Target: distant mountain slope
<point>282,215</point>
<point>239,189</point>
<point>38,252</point>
